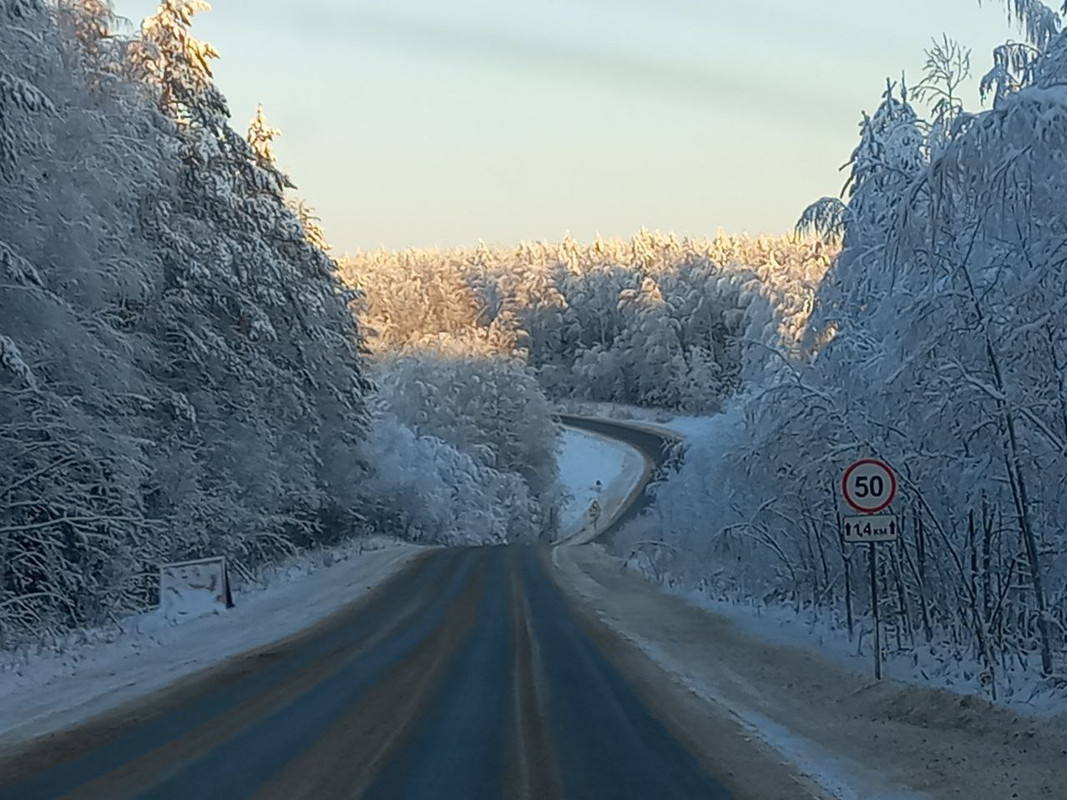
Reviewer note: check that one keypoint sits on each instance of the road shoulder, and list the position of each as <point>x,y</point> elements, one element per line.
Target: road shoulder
<point>846,735</point>
<point>748,768</point>
<point>50,693</point>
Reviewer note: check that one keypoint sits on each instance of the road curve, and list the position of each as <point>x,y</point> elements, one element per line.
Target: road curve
<point>658,446</point>
<point>468,676</point>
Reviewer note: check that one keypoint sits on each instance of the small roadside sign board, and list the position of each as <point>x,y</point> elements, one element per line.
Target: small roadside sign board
<point>871,528</point>
<point>190,589</point>
<point>869,486</point>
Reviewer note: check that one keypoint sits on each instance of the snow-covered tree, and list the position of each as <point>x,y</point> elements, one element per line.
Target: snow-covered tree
<point>650,321</point>
<point>934,342</point>
<point>439,494</point>
<point>488,408</point>
<point>180,374</point>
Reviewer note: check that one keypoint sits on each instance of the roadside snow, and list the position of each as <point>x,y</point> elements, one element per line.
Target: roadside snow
<point>47,691</point>
<point>693,427</point>
<point>840,777</point>
<point>856,738</point>
<point>938,665</point>
<point>584,459</point>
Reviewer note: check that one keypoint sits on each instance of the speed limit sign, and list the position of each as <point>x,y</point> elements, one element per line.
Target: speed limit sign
<point>869,486</point>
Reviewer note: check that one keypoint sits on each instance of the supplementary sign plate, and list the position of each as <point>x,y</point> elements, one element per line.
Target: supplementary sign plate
<point>870,528</point>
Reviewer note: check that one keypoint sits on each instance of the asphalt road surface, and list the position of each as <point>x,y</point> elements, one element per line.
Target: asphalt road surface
<point>470,675</point>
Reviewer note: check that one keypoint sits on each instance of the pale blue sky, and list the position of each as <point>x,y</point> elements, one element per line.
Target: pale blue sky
<point>442,122</point>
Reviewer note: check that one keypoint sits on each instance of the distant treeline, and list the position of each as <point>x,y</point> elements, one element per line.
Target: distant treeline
<point>652,321</point>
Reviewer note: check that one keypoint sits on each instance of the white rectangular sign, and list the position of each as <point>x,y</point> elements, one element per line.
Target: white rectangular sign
<point>874,528</point>
<point>193,588</point>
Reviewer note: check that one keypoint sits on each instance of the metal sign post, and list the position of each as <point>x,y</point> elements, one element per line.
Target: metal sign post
<point>869,486</point>
<point>872,558</point>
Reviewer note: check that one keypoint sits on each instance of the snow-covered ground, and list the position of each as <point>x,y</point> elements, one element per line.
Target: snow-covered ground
<point>857,739</point>
<point>584,459</point>
<point>47,691</point>
<point>938,665</point>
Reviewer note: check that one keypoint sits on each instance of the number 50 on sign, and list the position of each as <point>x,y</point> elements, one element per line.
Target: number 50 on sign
<point>869,486</point>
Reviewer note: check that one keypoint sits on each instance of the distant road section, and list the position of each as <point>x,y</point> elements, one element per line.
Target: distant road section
<point>656,445</point>
<point>601,475</point>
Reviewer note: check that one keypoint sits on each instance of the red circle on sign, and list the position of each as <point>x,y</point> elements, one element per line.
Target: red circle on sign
<point>874,462</point>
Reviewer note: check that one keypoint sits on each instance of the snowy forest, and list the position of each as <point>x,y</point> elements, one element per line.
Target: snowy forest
<point>186,370</point>
<point>654,321</point>
<point>936,342</point>
<point>918,318</point>
<point>180,371</point>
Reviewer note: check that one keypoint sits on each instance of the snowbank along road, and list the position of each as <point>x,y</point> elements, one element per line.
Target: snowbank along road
<point>468,676</point>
